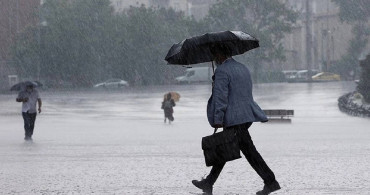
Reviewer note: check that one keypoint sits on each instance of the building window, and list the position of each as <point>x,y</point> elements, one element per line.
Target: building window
<point>177,7</point>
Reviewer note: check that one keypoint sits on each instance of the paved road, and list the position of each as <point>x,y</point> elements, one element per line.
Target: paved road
<point>115,142</point>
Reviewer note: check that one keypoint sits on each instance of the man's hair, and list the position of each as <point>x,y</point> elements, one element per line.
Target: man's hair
<point>220,48</point>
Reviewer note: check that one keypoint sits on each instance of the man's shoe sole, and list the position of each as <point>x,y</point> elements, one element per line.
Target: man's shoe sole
<point>195,183</point>
<point>266,193</point>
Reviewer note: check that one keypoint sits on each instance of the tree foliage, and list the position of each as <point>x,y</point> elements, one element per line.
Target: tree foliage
<point>85,41</point>
<point>364,84</point>
<point>353,10</point>
<point>267,20</point>
<point>356,13</point>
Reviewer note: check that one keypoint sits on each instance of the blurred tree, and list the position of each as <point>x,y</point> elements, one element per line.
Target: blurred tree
<point>353,10</point>
<point>356,13</point>
<point>364,84</point>
<point>26,54</point>
<point>74,45</point>
<point>150,34</point>
<point>85,42</point>
<point>266,20</point>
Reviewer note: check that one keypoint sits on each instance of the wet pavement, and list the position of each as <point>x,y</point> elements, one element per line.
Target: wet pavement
<point>115,142</point>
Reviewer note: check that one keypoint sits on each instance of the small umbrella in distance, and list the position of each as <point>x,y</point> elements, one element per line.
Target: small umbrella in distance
<point>174,95</point>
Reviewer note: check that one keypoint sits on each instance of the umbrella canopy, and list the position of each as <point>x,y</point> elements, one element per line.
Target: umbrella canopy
<point>174,95</point>
<point>196,49</point>
<point>22,85</point>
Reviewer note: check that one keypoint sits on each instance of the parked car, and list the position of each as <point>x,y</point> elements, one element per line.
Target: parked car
<point>302,76</point>
<point>289,74</point>
<point>198,74</point>
<point>112,83</point>
<point>326,76</point>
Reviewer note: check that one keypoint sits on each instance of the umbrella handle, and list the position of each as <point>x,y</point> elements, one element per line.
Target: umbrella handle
<point>213,81</point>
<point>213,68</point>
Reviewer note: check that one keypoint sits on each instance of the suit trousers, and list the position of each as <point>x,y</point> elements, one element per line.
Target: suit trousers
<point>29,123</point>
<point>250,152</point>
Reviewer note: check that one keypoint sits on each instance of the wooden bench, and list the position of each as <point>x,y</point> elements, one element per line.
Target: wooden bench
<point>279,114</point>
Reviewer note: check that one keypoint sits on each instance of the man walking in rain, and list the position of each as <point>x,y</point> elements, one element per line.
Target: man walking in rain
<point>29,97</point>
<point>232,107</point>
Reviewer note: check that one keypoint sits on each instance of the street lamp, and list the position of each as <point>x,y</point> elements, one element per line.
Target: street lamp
<point>42,24</point>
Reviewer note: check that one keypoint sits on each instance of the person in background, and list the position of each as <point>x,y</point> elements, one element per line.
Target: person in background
<point>167,106</point>
<point>29,97</point>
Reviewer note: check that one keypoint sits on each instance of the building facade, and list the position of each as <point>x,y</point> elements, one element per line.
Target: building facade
<point>325,43</point>
<point>15,17</point>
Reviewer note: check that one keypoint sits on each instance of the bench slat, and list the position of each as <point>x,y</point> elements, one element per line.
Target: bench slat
<point>279,112</point>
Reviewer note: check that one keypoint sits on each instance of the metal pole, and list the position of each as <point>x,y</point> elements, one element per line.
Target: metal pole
<point>328,51</point>
<point>17,12</point>
<point>39,40</point>
<point>308,39</point>
<point>327,38</point>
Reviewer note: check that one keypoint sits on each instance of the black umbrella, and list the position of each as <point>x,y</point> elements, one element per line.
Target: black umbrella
<point>196,49</point>
<point>22,85</point>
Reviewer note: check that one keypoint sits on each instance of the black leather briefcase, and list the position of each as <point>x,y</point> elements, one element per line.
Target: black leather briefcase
<point>220,147</point>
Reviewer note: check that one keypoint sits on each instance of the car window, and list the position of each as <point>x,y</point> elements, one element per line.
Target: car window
<point>112,80</point>
<point>190,73</point>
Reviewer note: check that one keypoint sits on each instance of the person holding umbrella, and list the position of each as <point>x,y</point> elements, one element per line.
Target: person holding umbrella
<point>231,105</point>
<point>29,97</point>
<point>167,106</point>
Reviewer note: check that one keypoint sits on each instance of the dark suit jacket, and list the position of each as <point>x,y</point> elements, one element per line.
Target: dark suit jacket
<point>232,101</point>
